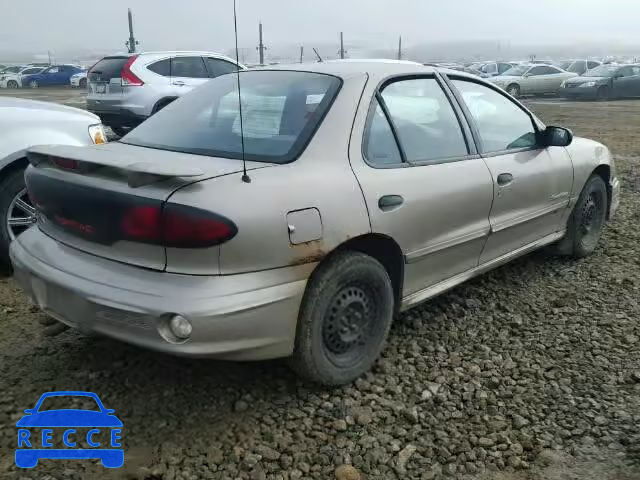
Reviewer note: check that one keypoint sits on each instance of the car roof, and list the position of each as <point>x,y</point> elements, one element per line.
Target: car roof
<point>349,68</point>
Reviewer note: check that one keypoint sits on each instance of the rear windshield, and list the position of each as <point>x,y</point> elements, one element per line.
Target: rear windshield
<point>107,68</point>
<point>280,112</point>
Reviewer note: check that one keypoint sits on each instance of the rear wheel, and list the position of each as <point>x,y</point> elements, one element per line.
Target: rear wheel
<point>34,84</point>
<point>344,319</point>
<point>12,84</point>
<point>587,220</point>
<point>513,90</point>
<point>16,212</point>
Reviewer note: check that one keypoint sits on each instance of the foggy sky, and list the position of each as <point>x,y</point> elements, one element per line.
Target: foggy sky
<point>41,25</point>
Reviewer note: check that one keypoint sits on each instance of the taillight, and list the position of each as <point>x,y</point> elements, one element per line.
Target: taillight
<point>176,226</point>
<point>129,78</point>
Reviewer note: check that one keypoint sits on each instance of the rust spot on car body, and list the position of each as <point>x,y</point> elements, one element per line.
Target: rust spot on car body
<point>308,252</point>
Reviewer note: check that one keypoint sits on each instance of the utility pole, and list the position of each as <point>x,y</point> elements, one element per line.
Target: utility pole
<point>132,42</point>
<point>342,50</point>
<point>261,48</point>
<point>49,54</point>
<point>301,53</point>
<point>400,48</point>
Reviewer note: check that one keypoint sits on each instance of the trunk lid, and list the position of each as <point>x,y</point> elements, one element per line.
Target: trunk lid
<point>91,198</point>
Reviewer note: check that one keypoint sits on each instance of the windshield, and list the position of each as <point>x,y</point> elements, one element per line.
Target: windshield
<point>576,67</point>
<point>517,71</point>
<point>602,71</point>
<point>280,112</point>
<point>67,402</point>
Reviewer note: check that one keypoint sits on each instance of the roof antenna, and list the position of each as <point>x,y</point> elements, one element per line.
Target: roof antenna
<point>317,55</point>
<point>245,177</point>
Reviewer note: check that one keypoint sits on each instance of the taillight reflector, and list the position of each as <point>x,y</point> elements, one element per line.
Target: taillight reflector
<point>129,78</point>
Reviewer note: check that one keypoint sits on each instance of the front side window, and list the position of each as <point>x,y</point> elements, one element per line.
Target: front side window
<point>188,67</point>
<point>52,70</point>
<point>536,71</point>
<point>502,124</point>
<point>426,125</point>
<point>280,112</point>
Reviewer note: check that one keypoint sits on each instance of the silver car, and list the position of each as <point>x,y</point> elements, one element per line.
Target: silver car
<point>25,123</point>
<point>368,188</point>
<point>126,89</point>
<point>532,79</point>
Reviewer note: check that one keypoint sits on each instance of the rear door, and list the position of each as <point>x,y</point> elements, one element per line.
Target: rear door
<point>187,72</point>
<point>49,76</point>
<point>423,183</point>
<point>532,184</point>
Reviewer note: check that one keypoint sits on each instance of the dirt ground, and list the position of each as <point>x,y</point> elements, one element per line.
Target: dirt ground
<point>529,372</point>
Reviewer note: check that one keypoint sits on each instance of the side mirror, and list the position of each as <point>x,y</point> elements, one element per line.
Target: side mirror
<point>557,137</point>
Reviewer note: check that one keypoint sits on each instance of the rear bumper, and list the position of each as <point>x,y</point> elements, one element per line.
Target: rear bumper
<point>249,316</point>
<point>115,117</point>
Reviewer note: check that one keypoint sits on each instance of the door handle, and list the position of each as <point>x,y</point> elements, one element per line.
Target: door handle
<point>179,83</point>
<point>505,179</point>
<point>390,202</point>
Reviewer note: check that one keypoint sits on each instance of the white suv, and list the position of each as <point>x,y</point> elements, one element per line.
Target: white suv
<point>126,89</point>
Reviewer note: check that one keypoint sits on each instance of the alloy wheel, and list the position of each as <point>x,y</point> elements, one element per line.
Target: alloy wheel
<point>21,214</point>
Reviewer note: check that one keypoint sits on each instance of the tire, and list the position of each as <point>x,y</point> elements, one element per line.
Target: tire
<point>514,90</point>
<point>603,93</point>
<point>344,319</point>
<point>161,104</point>
<point>34,84</point>
<point>83,83</point>
<point>586,223</point>
<point>12,84</point>
<point>10,187</point>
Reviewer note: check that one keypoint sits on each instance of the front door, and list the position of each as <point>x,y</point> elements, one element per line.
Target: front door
<point>422,184</point>
<point>628,83</point>
<point>532,184</point>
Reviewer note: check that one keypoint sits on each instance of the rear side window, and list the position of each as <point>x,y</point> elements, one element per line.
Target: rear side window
<point>188,67</point>
<point>501,123</point>
<point>426,125</point>
<point>280,112</point>
<point>107,68</point>
<point>163,67</point>
<point>217,67</point>
<point>381,148</point>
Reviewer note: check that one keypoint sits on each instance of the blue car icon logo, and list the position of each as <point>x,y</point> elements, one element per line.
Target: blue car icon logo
<point>64,427</point>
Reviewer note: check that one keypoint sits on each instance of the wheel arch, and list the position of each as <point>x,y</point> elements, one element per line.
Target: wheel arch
<point>386,251</point>
<point>604,171</point>
<point>163,102</point>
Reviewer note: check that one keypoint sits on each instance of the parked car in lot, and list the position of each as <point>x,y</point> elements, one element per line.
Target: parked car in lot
<point>79,80</point>
<point>12,69</point>
<point>604,82</point>
<point>55,75</point>
<point>532,79</point>
<point>369,188</point>
<point>25,123</point>
<point>124,90</point>
<point>492,69</point>
<point>581,66</point>
<point>14,80</point>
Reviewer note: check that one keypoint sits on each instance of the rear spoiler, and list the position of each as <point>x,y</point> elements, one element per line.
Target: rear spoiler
<point>87,159</point>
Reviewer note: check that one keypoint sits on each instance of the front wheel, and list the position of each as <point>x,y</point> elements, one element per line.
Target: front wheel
<point>344,319</point>
<point>587,220</point>
<point>513,90</point>
<point>12,84</point>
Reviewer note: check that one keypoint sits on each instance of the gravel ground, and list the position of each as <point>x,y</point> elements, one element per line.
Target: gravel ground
<point>529,372</point>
